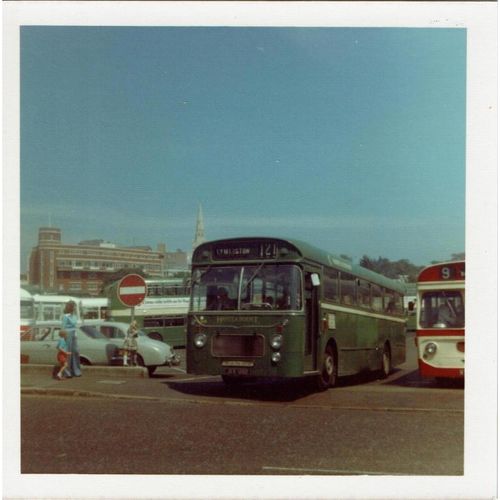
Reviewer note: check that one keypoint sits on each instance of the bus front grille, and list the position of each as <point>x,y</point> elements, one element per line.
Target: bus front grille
<point>241,346</point>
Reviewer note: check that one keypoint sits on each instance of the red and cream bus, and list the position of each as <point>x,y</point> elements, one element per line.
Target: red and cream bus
<point>440,335</point>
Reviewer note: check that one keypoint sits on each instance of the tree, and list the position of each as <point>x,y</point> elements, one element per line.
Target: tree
<point>368,263</point>
<point>401,269</point>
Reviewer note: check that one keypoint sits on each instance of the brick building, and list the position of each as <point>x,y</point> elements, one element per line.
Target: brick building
<point>55,267</point>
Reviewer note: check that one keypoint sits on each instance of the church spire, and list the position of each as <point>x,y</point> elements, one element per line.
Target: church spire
<point>199,236</point>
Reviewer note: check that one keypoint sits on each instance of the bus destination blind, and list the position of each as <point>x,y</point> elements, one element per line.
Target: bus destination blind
<point>245,250</point>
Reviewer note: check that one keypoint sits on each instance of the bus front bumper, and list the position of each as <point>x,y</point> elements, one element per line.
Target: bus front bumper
<point>427,370</point>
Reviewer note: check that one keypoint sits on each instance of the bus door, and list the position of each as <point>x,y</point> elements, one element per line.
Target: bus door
<point>311,299</point>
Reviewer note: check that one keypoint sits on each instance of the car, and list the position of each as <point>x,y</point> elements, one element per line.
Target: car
<point>38,345</point>
<point>150,353</point>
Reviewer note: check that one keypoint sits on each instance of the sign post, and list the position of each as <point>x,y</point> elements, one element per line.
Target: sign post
<point>131,291</point>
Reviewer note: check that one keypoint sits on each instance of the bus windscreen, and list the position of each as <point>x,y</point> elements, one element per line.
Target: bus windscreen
<point>252,287</point>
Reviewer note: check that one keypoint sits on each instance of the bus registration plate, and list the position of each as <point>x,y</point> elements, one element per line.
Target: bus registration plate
<point>233,370</point>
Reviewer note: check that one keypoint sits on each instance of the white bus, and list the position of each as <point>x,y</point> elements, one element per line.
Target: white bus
<point>50,308</point>
<point>27,311</point>
<point>93,309</point>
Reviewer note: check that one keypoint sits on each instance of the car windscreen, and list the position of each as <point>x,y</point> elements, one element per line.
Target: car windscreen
<point>92,332</point>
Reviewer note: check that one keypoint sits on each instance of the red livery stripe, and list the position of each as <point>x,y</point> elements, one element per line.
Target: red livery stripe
<point>431,371</point>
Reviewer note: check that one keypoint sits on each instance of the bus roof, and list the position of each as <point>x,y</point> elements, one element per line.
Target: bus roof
<point>54,298</point>
<point>307,252</point>
<point>443,271</point>
<point>94,301</point>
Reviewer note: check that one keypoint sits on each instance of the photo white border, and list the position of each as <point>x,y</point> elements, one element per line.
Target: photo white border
<point>479,18</point>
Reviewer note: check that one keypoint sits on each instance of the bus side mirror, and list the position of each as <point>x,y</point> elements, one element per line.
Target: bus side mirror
<point>315,279</point>
<point>411,306</point>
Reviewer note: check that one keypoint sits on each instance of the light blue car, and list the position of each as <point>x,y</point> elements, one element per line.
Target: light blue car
<point>150,353</point>
<point>38,345</point>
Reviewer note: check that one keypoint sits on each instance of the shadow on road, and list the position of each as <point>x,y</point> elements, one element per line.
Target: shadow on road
<point>282,391</point>
<point>413,379</point>
<point>293,389</point>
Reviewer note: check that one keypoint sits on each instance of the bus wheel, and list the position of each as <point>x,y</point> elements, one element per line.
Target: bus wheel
<point>328,376</point>
<point>155,336</point>
<point>386,367</point>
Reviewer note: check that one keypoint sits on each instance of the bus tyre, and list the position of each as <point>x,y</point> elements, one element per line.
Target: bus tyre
<point>386,366</point>
<point>328,376</point>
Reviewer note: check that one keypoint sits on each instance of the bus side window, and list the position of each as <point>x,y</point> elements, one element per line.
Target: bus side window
<point>377,302</point>
<point>331,285</point>
<point>363,294</point>
<point>394,302</point>
<point>389,306</point>
<point>347,288</point>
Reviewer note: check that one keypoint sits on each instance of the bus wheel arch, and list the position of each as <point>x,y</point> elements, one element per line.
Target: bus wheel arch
<point>386,360</point>
<point>329,369</point>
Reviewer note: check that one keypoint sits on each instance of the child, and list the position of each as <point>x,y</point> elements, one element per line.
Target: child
<point>130,344</point>
<point>62,354</point>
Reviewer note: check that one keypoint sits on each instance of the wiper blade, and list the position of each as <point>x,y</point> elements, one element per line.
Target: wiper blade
<point>448,302</point>
<point>254,275</point>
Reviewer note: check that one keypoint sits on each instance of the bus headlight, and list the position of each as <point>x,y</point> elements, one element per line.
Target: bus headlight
<point>200,339</point>
<point>275,357</point>
<point>276,341</point>
<point>430,348</point>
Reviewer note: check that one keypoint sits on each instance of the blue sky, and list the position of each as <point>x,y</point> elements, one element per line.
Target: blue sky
<point>350,139</point>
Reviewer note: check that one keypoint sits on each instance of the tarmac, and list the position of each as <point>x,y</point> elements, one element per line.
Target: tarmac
<point>96,381</point>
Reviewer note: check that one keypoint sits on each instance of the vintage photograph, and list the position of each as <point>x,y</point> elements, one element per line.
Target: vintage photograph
<point>242,240</point>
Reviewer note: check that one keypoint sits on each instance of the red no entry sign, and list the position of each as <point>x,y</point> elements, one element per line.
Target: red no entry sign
<point>131,290</point>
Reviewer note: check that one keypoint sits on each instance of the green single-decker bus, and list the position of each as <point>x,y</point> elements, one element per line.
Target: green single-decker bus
<point>280,308</point>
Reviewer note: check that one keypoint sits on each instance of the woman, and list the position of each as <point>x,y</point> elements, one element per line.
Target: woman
<point>69,322</point>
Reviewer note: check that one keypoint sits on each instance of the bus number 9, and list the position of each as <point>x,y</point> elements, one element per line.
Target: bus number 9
<point>446,273</point>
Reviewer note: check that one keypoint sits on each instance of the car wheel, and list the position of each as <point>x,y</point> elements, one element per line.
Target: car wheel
<point>151,370</point>
<point>85,361</point>
<point>328,376</point>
